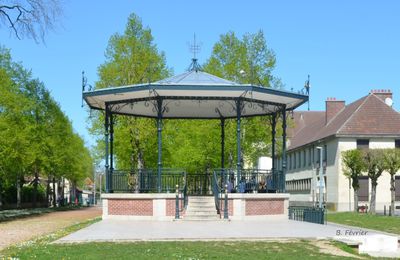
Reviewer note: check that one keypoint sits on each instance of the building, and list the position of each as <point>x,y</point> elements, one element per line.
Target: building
<point>369,122</point>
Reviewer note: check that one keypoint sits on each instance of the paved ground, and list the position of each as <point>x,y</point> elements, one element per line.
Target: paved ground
<point>12,232</point>
<point>112,230</point>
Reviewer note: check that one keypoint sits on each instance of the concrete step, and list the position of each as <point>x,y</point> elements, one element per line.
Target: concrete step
<point>201,218</point>
<point>201,212</point>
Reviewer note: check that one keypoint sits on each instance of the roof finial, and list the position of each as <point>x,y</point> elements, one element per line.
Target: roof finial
<point>195,49</point>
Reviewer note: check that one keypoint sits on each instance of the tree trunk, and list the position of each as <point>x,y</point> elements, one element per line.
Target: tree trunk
<point>62,192</point>
<point>35,188</point>
<point>18,192</point>
<point>356,200</point>
<point>373,198</point>
<point>392,194</point>
<point>54,193</point>
<point>73,192</point>
<point>48,191</point>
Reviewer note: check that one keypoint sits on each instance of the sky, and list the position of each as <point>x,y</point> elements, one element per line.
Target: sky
<point>347,47</point>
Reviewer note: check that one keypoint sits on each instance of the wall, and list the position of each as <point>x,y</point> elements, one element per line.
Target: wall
<point>139,206</point>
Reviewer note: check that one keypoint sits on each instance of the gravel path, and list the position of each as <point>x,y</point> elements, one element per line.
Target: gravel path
<point>12,232</point>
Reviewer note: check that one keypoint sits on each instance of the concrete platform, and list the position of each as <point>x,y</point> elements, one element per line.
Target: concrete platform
<point>128,230</point>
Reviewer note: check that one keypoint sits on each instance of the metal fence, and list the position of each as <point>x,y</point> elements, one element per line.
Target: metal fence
<point>146,180</point>
<point>308,214</point>
<point>251,180</point>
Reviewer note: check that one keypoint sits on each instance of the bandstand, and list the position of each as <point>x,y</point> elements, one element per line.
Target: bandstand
<point>151,193</point>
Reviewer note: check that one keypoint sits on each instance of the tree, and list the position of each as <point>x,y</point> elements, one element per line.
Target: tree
<point>36,138</point>
<point>374,165</point>
<point>30,18</point>
<point>391,160</point>
<point>353,166</point>
<point>131,58</point>
<point>246,60</point>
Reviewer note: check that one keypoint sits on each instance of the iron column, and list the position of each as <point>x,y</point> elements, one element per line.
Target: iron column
<point>239,156</point>
<point>111,144</point>
<point>273,132</point>
<point>222,143</point>
<point>106,125</point>
<point>283,179</point>
<point>159,129</point>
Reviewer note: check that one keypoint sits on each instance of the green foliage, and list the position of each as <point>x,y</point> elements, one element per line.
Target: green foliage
<point>374,164</point>
<point>194,145</point>
<point>353,165</point>
<point>131,58</point>
<point>391,160</point>
<point>36,138</point>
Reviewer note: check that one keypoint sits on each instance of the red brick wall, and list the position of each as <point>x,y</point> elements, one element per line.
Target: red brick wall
<point>264,207</point>
<point>230,207</point>
<point>142,207</point>
<point>170,207</point>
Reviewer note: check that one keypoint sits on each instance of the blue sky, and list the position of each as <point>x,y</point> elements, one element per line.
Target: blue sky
<point>348,47</point>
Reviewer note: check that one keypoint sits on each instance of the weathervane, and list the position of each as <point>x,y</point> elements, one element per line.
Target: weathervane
<point>195,49</point>
<point>307,88</point>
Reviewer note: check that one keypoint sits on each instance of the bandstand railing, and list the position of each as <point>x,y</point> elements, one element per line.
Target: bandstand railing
<point>146,181</point>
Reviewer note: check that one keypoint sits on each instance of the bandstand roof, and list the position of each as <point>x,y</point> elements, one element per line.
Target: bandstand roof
<point>193,94</point>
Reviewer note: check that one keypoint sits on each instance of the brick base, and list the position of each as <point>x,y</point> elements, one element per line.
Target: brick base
<point>264,207</point>
<point>142,207</point>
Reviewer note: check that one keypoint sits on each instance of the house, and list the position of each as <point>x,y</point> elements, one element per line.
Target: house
<point>369,122</point>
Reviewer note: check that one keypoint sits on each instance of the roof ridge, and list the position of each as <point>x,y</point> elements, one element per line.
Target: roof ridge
<point>355,112</point>
<point>373,94</point>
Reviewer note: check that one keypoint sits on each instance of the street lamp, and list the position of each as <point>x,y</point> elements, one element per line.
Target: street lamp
<point>94,183</point>
<point>321,180</point>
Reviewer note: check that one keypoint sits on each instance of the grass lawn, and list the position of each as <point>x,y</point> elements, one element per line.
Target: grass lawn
<point>376,222</point>
<point>42,248</point>
<point>175,250</point>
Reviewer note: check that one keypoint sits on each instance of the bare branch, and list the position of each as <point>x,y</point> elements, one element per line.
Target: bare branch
<point>30,18</point>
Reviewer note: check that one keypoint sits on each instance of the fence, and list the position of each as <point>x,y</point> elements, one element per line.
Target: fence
<point>308,214</point>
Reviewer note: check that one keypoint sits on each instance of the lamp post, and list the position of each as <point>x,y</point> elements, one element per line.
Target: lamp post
<point>94,184</point>
<point>321,182</point>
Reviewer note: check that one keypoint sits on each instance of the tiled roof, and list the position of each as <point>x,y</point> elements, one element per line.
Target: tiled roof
<point>368,116</point>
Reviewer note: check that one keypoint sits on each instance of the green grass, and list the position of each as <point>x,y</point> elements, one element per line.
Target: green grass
<point>376,222</point>
<point>175,250</point>
<point>42,248</point>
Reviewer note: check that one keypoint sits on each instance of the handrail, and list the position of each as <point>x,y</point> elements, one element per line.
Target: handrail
<point>216,192</point>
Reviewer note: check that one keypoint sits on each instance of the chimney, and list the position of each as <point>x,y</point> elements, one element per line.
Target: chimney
<point>382,93</point>
<point>333,107</point>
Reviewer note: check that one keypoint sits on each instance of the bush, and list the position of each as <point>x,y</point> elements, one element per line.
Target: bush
<point>10,194</point>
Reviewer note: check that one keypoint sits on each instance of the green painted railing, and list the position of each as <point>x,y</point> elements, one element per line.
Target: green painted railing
<point>145,180</point>
<point>308,214</point>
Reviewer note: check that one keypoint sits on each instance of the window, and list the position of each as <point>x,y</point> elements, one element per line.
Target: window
<point>362,144</point>
<point>304,158</point>
<point>318,156</point>
<point>363,190</point>
<point>294,160</point>
<point>325,153</point>
<point>397,143</point>
<point>313,155</point>
<point>309,156</point>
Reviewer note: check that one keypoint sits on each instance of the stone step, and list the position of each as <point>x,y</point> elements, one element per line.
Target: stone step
<point>202,212</point>
<point>201,218</point>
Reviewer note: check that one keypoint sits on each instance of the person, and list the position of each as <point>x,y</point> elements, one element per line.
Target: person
<point>242,185</point>
<point>230,186</point>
